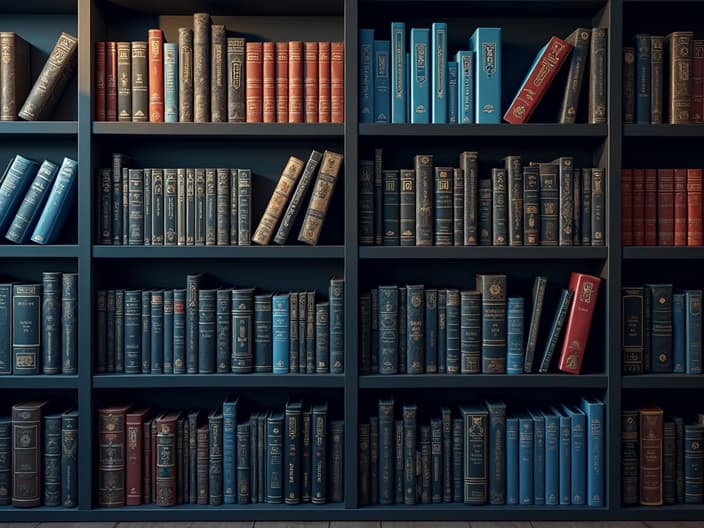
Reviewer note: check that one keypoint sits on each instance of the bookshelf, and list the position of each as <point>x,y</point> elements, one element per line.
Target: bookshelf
<point>264,147</point>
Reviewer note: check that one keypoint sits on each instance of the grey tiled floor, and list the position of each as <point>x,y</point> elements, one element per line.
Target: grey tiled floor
<point>337,524</point>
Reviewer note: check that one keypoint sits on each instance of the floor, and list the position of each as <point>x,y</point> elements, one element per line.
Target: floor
<point>336,524</point>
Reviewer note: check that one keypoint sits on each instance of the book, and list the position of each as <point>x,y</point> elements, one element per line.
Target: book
<point>201,67</point>
<point>563,306</point>
<point>493,348</point>
<point>155,43</point>
<point>443,229</point>
<point>58,204</point>
<point>476,479</point>
<point>579,39</point>
<point>422,56</point>
<point>643,72</point>
<point>598,76</point>
<point>321,198</point>
<point>692,332</point>
<point>296,94</point>
<point>660,327</point>
<point>680,66</point>
<point>651,451</point>
<point>269,82</point>
<point>514,335</point>
<point>424,199</point>
<point>366,76</point>
<point>629,84</point>
<point>15,74</point>
<point>398,73</point>
<point>439,72</point>
<point>391,210</point>
<point>218,73</point>
<point>26,329</point>
<point>325,81</point>
<point>185,74</point>
<point>485,43</point>
<point>382,93</point>
<point>656,78</point>
<point>633,331</point>
<point>594,411</point>
<point>32,204</point>
<point>171,82</point>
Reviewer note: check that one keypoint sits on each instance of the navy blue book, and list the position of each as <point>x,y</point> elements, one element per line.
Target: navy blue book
<point>69,459</point>
<point>15,181</point>
<point>6,327</point>
<point>693,469</point>
<point>497,451</point>
<point>293,332</point>
<point>243,463</point>
<point>168,365</point>
<point>514,335</point>
<point>223,331</point>
<point>511,460</point>
<point>322,337</point>
<point>578,454</point>
<point>32,204</point>
<point>391,212</point>
<point>51,322</point>
<point>337,325</point>
<point>215,454</point>
<point>457,460</point>
<point>5,461</point>
<point>146,340</point>
<point>242,360</point>
<point>26,328</point>
<point>538,457</point>
<point>69,323</point>
<point>470,332</point>
<point>452,314</point>
<point>386,473</point>
<point>382,91</point>
<point>192,285</point>
<point>442,331</point>
<point>293,446</point>
<point>58,204</point>
<point>552,457</point>
<point>51,478</point>
<point>693,331</point>
<point>262,333</point>
<point>476,478</point>
<point>431,330</point>
<point>302,323</point>
<point>435,460</point>
<point>388,329</point>
<point>642,45</point>
<point>157,322</point>
<point>564,458</point>
<point>525,459</point>
<point>319,449</point>
<point>538,296</point>
<point>563,306</point>
<point>366,75</point>
<point>179,331</point>
<point>660,327</point>
<point>415,332</point>
<point>119,351</point>
<point>274,456</point>
<point>280,329</point>
<point>229,446</point>
<point>410,421</point>
<point>594,411</point>
<point>678,339</point>
<point>493,350</point>
<point>133,332</point>
<point>446,455</point>
<point>402,330</point>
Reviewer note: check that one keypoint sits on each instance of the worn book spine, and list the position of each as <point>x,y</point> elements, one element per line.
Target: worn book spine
<point>374,332</point>
<point>402,330</point>
<point>470,332</point>
<point>26,441</point>
<point>157,332</point>
<point>336,332</point>
<point>538,296</point>
<point>319,438</point>
<point>325,82</point>
<point>680,207</point>
<point>363,461</point>
<point>51,460</point>
<point>549,203</point>
<point>223,193</point>
<point>243,479</point>
<point>69,323</point>
<point>476,477</point>
<point>665,216</point>
<point>386,472</point>
<point>179,330</point>
<point>269,82</point>
<point>457,460</point>
<point>200,204</point>
<point>633,332</point>
<point>579,39</point>
<point>242,360</point>
<point>156,75</point>
<point>306,454</point>
<point>133,332</point>
<point>147,223</point>
<point>337,86</point>
<point>651,452</point>
<point>661,327</point>
<point>50,321</point>
<point>443,231</point>
<point>629,457</point>
<point>424,200</point>
<point>202,466</point>
<point>693,463</point>
<point>211,199</point>
<point>201,67</point>
<point>145,332</point>
<point>105,205</point>
<point>629,84</point>
<point>215,458</point>
<point>698,82</point>
<point>236,109</point>
<point>388,333</point>
<point>139,85</point>
<point>365,333</point>
<point>431,330</point>
<point>124,79</point>
<point>598,76</point>
<point>512,460</point>
<point>452,322</point>
<point>680,45</point>
<point>366,202</point>
<point>218,74</point>
<point>496,452</point>
<point>378,197</point>
<point>135,229</point>
<point>282,97</point>
<point>656,78</point>
<point>134,457</point>
<point>280,333</point>
<point>485,216</point>
<point>642,75</point>
<point>565,200</point>
<point>626,207</point>
<point>322,337</point>
<point>111,81</point>
<point>170,82</point>
<point>415,331</point>
<point>111,456</point>
<point>499,208</point>
<point>435,460</point>
<point>310,81</point>
<point>468,164</point>
<point>295,82</point>
<point>531,206</point>
<point>192,285</point>
<point>69,459</point>
<point>99,61</point>
<point>693,324</point>
<point>638,207</point>
<point>6,361</point>
<point>244,204</point>
<point>185,74</point>
<point>392,207</point>
<point>234,206</point>
<point>168,332</point>
<point>410,420</point>
<point>493,349</point>
<point>539,459</point>
<point>310,332</point>
<point>157,216</point>
<point>458,232</point>
<point>223,330</point>
<point>190,206</point>
<point>514,200</point>
<point>321,198</point>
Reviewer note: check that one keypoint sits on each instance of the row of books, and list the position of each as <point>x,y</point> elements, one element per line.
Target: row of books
<point>661,207</point>
<point>208,77</point>
<point>38,325</point>
<point>416,330</point>
<point>35,199</point>
<point>17,99</point>
<point>551,456</point>
<point>545,204</point>
<point>662,330</point>
<point>39,456</point>
<point>201,330</point>
<point>293,455</point>
<point>661,460</point>
<point>656,90</point>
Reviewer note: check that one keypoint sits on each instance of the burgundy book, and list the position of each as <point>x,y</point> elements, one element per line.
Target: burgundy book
<point>337,82</point>
<point>627,207</point>
<point>27,440</point>
<point>269,83</point>
<point>111,456</point>
<point>698,82</point>
<point>694,207</point>
<point>579,321</point>
<point>254,81</point>
<point>651,207</point>
<point>651,432</point>
<point>638,207</point>
<point>147,460</point>
<point>111,81</point>
<point>324,82</point>
<point>282,82</point>
<point>310,81</point>
<point>165,459</point>
<point>156,75</point>
<point>295,82</point>
<point>680,207</point>
<point>666,207</point>
<point>100,81</point>
<point>135,463</point>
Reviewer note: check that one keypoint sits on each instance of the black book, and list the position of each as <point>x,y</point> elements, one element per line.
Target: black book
<point>274,458</point>
<point>485,213</point>
<point>586,186</point>
<point>69,458</point>
<point>443,232</point>
<point>223,330</point>
<point>243,463</point>
<point>135,230</point>
<point>577,209</point>
<point>366,203</point>
<point>51,478</point>
<point>193,282</point>
<point>661,327</point>
<point>157,331</point>
<point>446,417</point>
<point>436,468</point>
<point>410,418</point>
<point>531,206</point>
<point>119,358</point>
<point>549,204</point>
<point>679,458</point>
<point>425,481</point>
<point>598,207</point>
<point>476,480</point>
<point>337,466</point>
<point>669,450</point>
<point>402,330</point>
<point>408,207</point>
<point>307,454</point>
<point>140,82</point>
<point>234,204</point>
<point>388,329</point>
<point>499,207</point>
<point>170,204</point>
<point>415,333</point>
<point>105,206</point>
<point>133,332</point>
<point>320,445</point>
<point>200,204</point>
<point>565,168</point>
<point>263,351</point>
<point>558,322</point>
<point>468,164</point>
<point>236,111</point>
<point>322,337</point>
<point>452,322</point>
<point>497,452</point>
<point>362,463</point>
<point>124,81</point>
<point>398,460</point>
<point>374,460</point>
<point>50,312</point>
<point>365,333</point>
<point>386,473</point>
<point>374,331</point>
<point>579,39</point>
<point>157,207</point>
<point>424,200</point>
<point>430,328</point>
<point>125,205</point>
<point>310,332</point>
<point>118,162</point>
<point>69,323</point>
<point>244,206</point>
<point>190,206</point>
<point>223,207</point>
<point>147,186</point>
<point>630,460</point>
<point>632,332</point>
<point>242,309</point>
<point>514,183</point>
<point>293,332</point>
<point>598,61</point>
<point>538,297</point>
<point>215,457</point>
<point>458,207</point>
<point>146,342</point>
<point>457,460</point>
<point>470,332</point>
<point>693,466</point>
<point>629,84</point>
<point>292,452</point>
<point>391,210</point>
<point>378,197</point>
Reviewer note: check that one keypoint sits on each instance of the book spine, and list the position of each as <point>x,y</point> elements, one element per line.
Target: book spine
<point>512,461</point>
<point>538,459</point>
<point>415,329</point>
<point>201,67</point>
<point>680,207</point>
<point>200,204</point>
<point>366,202</point>
<point>661,328</point>
<point>643,64</point>
<point>465,87</point>
<point>135,231</point>
<point>192,313</point>
<point>6,324</point>
<point>594,411</point>
<point>538,296</point>
<point>680,43</point>
<point>26,328</point>
<point>651,452</point>
<point>476,456</point>
<point>69,323</point>
<point>157,216</point>
<point>668,463</point>
<point>698,82</point>
<point>218,74</point>
<point>496,452</point>
<point>485,200</point>
<point>514,335</point>
<point>549,203</point>
<point>629,84</point>
<point>51,454</point>
<point>202,466</point>
<point>242,360</point>
<point>133,332</point>
<point>365,333</point>
<point>282,101</point>
<point>139,84</point>
<point>168,332</point>
<point>586,289</point>
<point>14,184</point>
<point>134,460</point>
<point>410,419</point>
<point>486,45</point>
<point>693,456</point>
<point>156,75</point>
<point>319,460</point>
<point>665,215</point>
<point>5,461</point>
<point>244,204</point>
<point>111,457</point>
<point>69,459</point>
<point>193,473</point>
<point>633,331</point>
<point>598,76</point>
<point>402,330</point>
<point>145,332</point>
<point>470,332</point>
<point>292,454</point>
<point>386,473</point>
<point>525,460</point>
<point>388,334</point>
<point>452,323</point>
<point>420,79</point>
<point>443,207</point>
<point>656,78</point>
<point>243,482</point>
<point>514,183</point>
<point>566,201</point>
<point>295,82</point>
<point>378,197</point>
<point>694,207</point>
<point>627,207</point>
<point>573,87</point>
<point>211,199</point>
<point>678,331</point>
<point>324,82</point>
<point>236,110</point>
<point>382,95</point>
<point>439,75</point>
<point>493,349</point>
<point>215,459</point>
<point>179,331</point>
<point>262,333</point>
<point>59,203</point>
<point>293,332</point>
<point>424,200</point>
<point>391,210</point>
<point>558,322</point>
<point>50,311</point>
<point>234,205</point>
<point>638,207</point>
<point>588,235</point>
<point>100,72</point>
<point>190,207</point>
<point>457,207</point>
<point>185,74</point>
<point>431,330</point>
<point>337,336</point>
<point>269,82</point>
<point>157,332</point>
<point>171,82</point>
<point>223,334</point>
<point>435,463</point>
<point>111,81</point>
<point>223,194</point>
<point>310,332</point>
<point>147,224</point>
<point>398,73</point>
<point>363,458</point>
<point>310,81</point>
<point>322,337</point>
<point>306,454</point>
<point>105,206</point>
<point>280,333</point>
<point>321,198</point>
<point>124,78</point>
<point>499,208</point>
<point>531,206</point>
<point>692,338</point>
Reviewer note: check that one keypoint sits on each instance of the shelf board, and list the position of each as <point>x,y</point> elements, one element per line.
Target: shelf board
<point>663,381</point>
<point>38,128</point>
<point>218,252</point>
<point>242,130</point>
<point>472,381</point>
<point>58,381</point>
<point>694,130</point>
<point>38,251</point>
<point>663,252</point>
<point>484,252</point>
<point>254,380</point>
<point>537,130</point>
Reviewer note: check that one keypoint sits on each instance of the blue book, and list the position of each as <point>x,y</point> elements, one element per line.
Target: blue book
<point>407,83</point>
<point>146,344</point>
<point>578,454</point>
<point>179,331</point>
<point>398,72</point>
<point>595,428</point>
<point>133,331</point>
<point>389,332</point>
<point>6,328</point>
<point>420,81</point>
<point>280,331</point>
<point>69,459</point>
<point>157,332</point>
<point>293,445</point>
<point>552,457</point>
<point>30,208</point>
<point>439,78</point>
<point>382,95</point>
<point>496,452</point>
<point>486,43</point>
<point>366,76</point>
<point>431,330</point>
<point>59,203</point>
<point>465,87</point>
<point>564,455</point>
<point>525,460</point>
<point>170,82</point>
<point>274,455</point>
<point>168,365</point>
<point>14,183</point>
<point>229,445</point>
<point>642,46</point>
<point>452,92</point>
<point>538,457</point>
<point>678,339</point>
<point>693,331</point>
<point>511,460</point>
<point>337,323</point>
<point>514,342</point>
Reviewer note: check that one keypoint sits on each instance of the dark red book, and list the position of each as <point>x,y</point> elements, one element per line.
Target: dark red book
<point>324,82</point>
<point>295,82</point>
<point>147,459</point>
<point>698,82</point>
<point>134,473</point>
<point>111,456</point>
<point>254,81</point>
<point>638,207</point>
<point>579,321</point>
<point>165,459</point>
<point>156,75</point>
<point>680,207</point>
<point>282,82</point>
<point>694,207</point>
<point>540,76</point>
<point>627,207</point>
<point>111,81</point>
<point>337,82</point>
<point>651,207</point>
<point>310,81</point>
<point>269,83</point>
<point>651,437</point>
<point>100,81</point>
<point>666,207</point>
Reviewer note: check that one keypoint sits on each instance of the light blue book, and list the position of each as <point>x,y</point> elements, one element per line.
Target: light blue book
<point>32,204</point>
<point>398,73</point>
<point>595,430</point>
<point>420,83</point>
<point>564,458</point>
<point>552,458</point>
<point>366,75</point>
<point>486,43</point>
<point>452,92</point>
<point>439,62</point>
<point>382,96</point>
<point>465,87</point>
<point>578,454</point>
<point>407,88</point>
<point>60,201</point>
<point>170,82</point>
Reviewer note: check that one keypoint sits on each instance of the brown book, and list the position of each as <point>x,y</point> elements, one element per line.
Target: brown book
<point>134,458</point>
<point>111,81</point>
<point>201,67</point>
<point>310,81</point>
<point>323,82</point>
<point>185,75</point>
<point>295,82</point>
<point>279,198</point>
<point>320,198</point>
<point>124,81</point>
<point>218,74</point>
<point>598,76</point>
<point>14,74</point>
<point>254,81</point>
<point>147,461</point>
<point>651,453</point>
<point>99,81</point>
<point>156,75</point>
<point>165,459</point>
<point>111,456</point>
<point>337,83</point>
<point>27,440</point>
<point>202,464</point>
<point>698,82</point>
<point>656,78</point>
<point>269,82</point>
<point>282,82</point>
<point>680,49</point>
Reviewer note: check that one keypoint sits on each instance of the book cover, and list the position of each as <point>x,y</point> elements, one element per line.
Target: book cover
<point>485,43</point>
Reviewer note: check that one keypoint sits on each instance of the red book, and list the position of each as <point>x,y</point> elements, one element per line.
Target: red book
<point>638,207</point>
<point>337,82</point>
<point>324,82</point>
<point>627,207</point>
<point>111,81</point>
<point>100,81</point>
<point>156,75</point>
<point>282,82</point>
<point>541,74</point>
<point>666,206</point>
<point>134,478</point>
<point>579,321</point>
<point>295,82</point>
<point>651,207</point>
<point>165,459</point>
<point>111,456</point>
<point>680,207</point>
<point>651,452</point>
<point>269,84</point>
<point>310,81</point>
<point>694,207</point>
<point>254,81</point>
<point>698,82</point>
